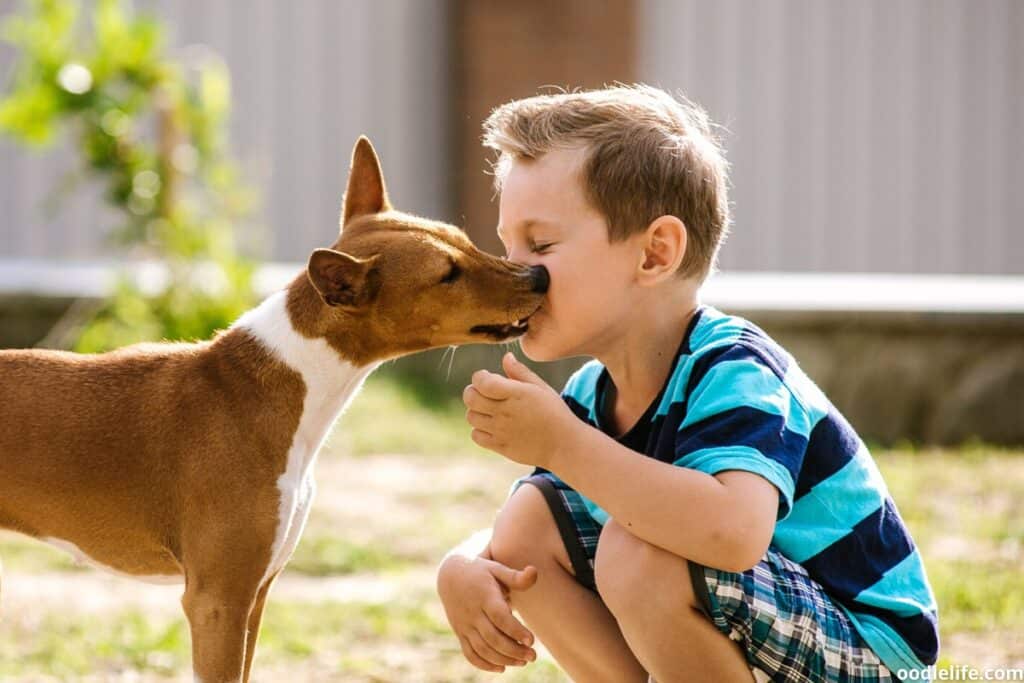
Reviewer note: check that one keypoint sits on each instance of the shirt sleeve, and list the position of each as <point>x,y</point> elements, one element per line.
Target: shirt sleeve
<point>741,415</point>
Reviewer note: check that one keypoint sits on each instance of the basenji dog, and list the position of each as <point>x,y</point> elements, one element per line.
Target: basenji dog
<point>193,462</point>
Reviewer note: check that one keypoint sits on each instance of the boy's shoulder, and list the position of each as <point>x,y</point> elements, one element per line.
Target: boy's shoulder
<point>720,337</point>
<point>716,337</point>
<point>716,331</point>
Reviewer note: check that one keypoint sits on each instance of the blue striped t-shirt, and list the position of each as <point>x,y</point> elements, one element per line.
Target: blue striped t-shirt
<point>736,400</point>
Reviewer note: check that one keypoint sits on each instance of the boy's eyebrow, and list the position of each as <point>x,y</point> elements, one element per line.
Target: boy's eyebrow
<point>527,224</point>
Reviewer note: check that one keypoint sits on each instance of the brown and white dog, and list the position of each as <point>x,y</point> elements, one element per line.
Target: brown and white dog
<point>194,462</point>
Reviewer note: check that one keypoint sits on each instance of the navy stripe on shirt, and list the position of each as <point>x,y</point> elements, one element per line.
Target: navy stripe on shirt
<point>771,354</point>
<point>665,428</point>
<point>858,560</point>
<point>578,409</point>
<point>746,426</point>
<point>832,445</point>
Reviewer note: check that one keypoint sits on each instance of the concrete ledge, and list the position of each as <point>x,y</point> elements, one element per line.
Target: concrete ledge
<point>786,293</point>
<point>96,279</point>
<point>929,359</point>
<point>867,293</point>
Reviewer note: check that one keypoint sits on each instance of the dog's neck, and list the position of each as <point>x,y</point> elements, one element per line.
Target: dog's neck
<point>330,380</point>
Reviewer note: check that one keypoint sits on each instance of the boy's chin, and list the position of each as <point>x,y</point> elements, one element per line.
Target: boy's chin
<point>536,350</point>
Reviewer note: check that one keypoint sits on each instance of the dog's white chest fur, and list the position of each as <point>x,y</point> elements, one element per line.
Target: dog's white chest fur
<point>331,383</point>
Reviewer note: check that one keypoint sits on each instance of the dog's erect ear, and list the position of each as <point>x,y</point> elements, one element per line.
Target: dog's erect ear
<point>343,280</point>
<point>365,193</point>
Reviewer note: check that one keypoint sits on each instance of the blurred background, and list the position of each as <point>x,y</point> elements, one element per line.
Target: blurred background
<point>166,163</point>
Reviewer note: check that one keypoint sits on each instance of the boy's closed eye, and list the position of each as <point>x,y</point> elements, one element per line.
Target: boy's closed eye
<point>526,234</point>
<point>534,248</point>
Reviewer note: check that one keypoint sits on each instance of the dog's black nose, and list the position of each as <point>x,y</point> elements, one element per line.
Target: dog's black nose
<point>541,279</point>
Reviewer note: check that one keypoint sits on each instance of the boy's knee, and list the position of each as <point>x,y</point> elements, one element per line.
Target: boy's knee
<point>632,574</point>
<point>525,532</point>
<point>621,561</point>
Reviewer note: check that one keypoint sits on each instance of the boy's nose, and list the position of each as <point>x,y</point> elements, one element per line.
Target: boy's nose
<point>541,279</point>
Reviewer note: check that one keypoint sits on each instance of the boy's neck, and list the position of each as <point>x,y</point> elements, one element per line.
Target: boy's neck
<point>641,357</point>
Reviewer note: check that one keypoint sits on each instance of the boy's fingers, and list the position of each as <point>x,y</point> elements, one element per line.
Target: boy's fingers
<point>488,653</point>
<point>517,370</point>
<point>483,439</point>
<point>474,400</point>
<point>492,386</point>
<point>514,579</point>
<point>476,660</point>
<point>478,420</point>
<point>501,616</point>
<point>508,647</point>
<point>503,645</point>
<point>526,578</point>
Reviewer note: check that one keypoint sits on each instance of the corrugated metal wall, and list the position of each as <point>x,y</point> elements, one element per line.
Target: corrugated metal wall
<point>865,136</point>
<point>308,78</point>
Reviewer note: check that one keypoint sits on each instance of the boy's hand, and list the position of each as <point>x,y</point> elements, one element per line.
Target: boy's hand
<point>474,592</point>
<point>519,416</point>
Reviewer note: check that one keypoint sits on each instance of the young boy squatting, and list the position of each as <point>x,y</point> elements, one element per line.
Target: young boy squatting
<point>698,510</point>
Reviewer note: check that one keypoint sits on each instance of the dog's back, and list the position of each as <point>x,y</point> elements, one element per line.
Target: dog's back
<point>66,400</point>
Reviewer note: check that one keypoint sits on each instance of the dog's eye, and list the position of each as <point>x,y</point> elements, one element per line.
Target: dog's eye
<point>452,275</point>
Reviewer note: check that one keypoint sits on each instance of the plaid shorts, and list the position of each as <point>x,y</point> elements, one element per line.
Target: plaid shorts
<point>788,626</point>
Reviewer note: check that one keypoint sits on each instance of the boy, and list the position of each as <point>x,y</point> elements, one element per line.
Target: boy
<point>699,510</point>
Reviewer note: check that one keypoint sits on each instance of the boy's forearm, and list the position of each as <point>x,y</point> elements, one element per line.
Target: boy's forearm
<point>686,512</point>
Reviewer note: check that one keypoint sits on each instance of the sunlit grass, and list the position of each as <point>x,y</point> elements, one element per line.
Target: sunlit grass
<point>397,641</point>
<point>387,417</point>
<point>324,555</point>
<point>67,646</point>
<point>31,555</point>
<point>965,508</point>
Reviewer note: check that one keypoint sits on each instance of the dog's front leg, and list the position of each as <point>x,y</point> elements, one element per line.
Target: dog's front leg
<point>255,618</point>
<point>218,614</point>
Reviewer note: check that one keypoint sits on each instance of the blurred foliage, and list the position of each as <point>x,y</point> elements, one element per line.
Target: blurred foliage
<point>151,130</point>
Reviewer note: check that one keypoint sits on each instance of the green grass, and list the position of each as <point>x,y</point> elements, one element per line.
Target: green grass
<point>965,508</point>
<point>327,555</point>
<point>361,641</point>
<point>130,639</point>
<point>387,417</point>
<point>65,647</point>
<point>31,555</point>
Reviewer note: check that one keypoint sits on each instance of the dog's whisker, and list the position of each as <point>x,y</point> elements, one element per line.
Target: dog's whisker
<point>451,361</point>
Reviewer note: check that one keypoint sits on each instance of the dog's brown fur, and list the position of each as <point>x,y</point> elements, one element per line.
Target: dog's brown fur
<point>164,459</point>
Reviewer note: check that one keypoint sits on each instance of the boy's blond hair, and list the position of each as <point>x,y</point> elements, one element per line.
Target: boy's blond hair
<point>647,155</point>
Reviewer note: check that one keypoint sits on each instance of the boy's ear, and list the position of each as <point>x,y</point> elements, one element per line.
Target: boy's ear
<point>343,280</point>
<point>664,247</point>
<point>365,193</point>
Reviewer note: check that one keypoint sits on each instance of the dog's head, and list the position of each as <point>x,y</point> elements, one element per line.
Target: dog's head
<point>402,283</point>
